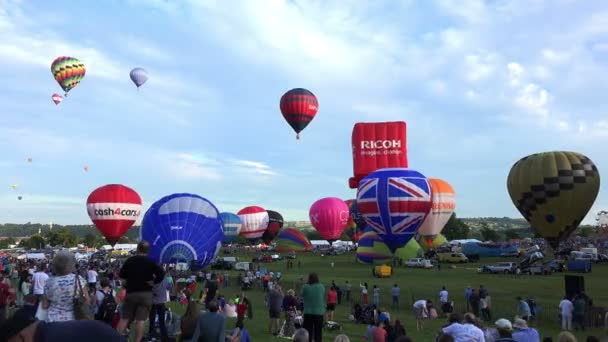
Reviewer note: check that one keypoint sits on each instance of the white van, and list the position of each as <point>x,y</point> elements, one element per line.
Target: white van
<point>242,266</point>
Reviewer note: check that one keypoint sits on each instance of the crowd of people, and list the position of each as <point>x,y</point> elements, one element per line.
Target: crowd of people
<point>108,301</point>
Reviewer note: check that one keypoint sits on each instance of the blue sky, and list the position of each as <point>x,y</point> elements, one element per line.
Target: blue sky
<point>480,84</point>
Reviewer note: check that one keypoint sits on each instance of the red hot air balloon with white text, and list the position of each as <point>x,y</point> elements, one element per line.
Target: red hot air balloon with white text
<point>114,208</point>
<point>255,221</point>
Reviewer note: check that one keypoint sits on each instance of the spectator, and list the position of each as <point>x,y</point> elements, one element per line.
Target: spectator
<point>211,326</point>
<point>189,320</point>
<point>578,314</point>
<point>313,295</point>
<point>395,292</point>
<point>28,310</point>
<point>566,336</point>
<point>474,333</point>
<point>523,309</point>
<point>398,329</point>
<point>140,273</point>
<point>7,296</point>
<point>421,312</point>
<point>331,303</point>
<point>301,335</point>
<point>158,309</point>
<point>379,334</point>
<point>504,329</point>
<point>474,302</point>
<point>566,308</point>
<point>376,296</point>
<point>105,304</point>
<point>61,289</point>
<point>348,287</point>
<point>290,304</point>
<point>92,278</point>
<point>39,279</point>
<point>239,334</point>
<point>522,333</point>
<point>275,303</point>
<point>15,330</point>
<point>341,338</point>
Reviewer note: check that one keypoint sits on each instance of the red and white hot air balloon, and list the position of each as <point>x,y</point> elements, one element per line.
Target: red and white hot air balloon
<point>113,208</point>
<point>57,98</point>
<point>255,221</point>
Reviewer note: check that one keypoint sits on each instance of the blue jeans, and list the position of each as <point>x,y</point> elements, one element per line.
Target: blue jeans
<point>396,302</point>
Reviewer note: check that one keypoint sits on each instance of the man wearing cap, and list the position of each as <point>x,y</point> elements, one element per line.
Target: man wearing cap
<point>505,330</point>
<point>523,333</point>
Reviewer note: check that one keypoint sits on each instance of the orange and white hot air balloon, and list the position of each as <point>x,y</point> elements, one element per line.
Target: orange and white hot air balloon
<point>444,202</point>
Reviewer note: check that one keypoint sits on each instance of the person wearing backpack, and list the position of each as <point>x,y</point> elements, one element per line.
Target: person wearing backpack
<point>106,304</point>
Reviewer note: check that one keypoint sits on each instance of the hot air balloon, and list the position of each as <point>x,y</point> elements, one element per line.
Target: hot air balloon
<point>444,203</point>
<point>356,224</point>
<point>232,226</point>
<point>394,202</point>
<point>15,186</point>
<point>292,240</point>
<point>57,98</point>
<point>373,250</point>
<point>299,106</point>
<point>329,217</point>
<point>19,198</point>
<point>113,208</point>
<point>432,243</point>
<point>139,76</point>
<point>255,220</point>
<point>86,168</point>
<point>275,223</point>
<point>68,72</point>
<point>554,191</point>
<point>29,160</point>
<point>183,228</point>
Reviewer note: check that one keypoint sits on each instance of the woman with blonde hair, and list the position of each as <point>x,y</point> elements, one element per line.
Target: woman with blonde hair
<point>341,338</point>
<point>566,336</point>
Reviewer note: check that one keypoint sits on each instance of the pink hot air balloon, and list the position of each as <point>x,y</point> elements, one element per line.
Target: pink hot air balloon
<point>57,98</point>
<point>329,217</point>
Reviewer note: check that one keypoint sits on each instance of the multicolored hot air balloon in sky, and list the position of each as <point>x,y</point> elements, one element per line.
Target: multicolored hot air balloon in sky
<point>183,228</point>
<point>292,240</point>
<point>232,226</point>
<point>329,217</point>
<point>554,192</point>
<point>139,76</point>
<point>68,72</point>
<point>299,106</point>
<point>444,203</point>
<point>275,223</point>
<point>255,221</point>
<point>394,202</point>
<point>113,208</point>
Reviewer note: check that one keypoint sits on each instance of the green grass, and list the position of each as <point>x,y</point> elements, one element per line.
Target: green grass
<point>418,284</point>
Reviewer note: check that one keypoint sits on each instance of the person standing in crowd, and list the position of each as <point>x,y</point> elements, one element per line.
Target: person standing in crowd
<point>211,326</point>
<point>444,300</point>
<point>468,292</point>
<point>523,333</point>
<point>105,303</point>
<point>395,292</point>
<point>211,289</point>
<point>578,314</point>
<point>313,296</point>
<point>523,309</point>
<point>60,290</point>
<point>504,330</point>
<point>92,277</point>
<point>364,294</point>
<point>348,287</point>
<point>275,303</point>
<point>139,273</point>
<point>158,309</point>
<point>566,308</point>
<point>331,303</point>
<point>39,279</point>
<point>7,296</point>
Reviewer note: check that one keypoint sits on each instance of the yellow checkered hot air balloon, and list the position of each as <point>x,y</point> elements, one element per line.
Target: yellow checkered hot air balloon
<point>68,72</point>
<point>554,191</point>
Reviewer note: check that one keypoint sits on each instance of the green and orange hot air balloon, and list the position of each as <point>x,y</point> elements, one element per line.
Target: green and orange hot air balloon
<point>68,72</point>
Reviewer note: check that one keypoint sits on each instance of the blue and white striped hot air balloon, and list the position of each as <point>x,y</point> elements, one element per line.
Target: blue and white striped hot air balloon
<point>183,228</point>
<point>139,76</point>
<point>232,226</point>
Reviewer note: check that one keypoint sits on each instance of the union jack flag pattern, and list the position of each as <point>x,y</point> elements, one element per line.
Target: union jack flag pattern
<point>394,202</point>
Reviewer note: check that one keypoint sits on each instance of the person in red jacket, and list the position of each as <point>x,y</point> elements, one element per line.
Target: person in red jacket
<point>332,298</point>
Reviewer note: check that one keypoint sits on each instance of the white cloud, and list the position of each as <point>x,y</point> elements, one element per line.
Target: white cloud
<point>253,167</point>
<point>187,167</point>
<point>479,68</point>
<point>472,11</point>
<point>534,98</point>
<point>516,72</point>
<point>556,57</point>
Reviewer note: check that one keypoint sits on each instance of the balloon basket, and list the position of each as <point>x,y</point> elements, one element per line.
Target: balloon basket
<point>298,136</point>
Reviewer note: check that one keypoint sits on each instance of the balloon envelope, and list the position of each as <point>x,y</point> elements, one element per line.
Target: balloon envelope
<point>292,240</point>
<point>299,106</point>
<point>68,72</point>
<point>139,76</point>
<point>394,202</point>
<point>232,225</point>
<point>372,250</point>
<point>444,203</point>
<point>431,243</point>
<point>356,224</point>
<point>255,221</point>
<point>183,228</point>
<point>275,223</point>
<point>329,217</point>
<point>57,98</point>
<point>113,208</point>
<point>554,191</point>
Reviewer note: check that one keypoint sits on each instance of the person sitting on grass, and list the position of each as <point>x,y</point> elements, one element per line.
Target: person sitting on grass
<point>239,334</point>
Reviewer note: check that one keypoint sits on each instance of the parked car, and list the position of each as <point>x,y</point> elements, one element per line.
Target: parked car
<point>452,257</point>
<point>501,267</point>
<point>555,265</point>
<point>419,263</point>
<point>514,254</point>
<point>222,265</point>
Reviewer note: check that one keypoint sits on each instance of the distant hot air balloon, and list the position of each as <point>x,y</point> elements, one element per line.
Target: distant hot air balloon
<point>444,203</point>
<point>68,72</point>
<point>15,186</point>
<point>57,98</point>
<point>394,202</point>
<point>292,240</point>
<point>299,106</point>
<point>19,198</point>
<point>86,168</point>
<point>183,228</point>
<point>275,223</point>
<point>255,221</point>
<point>29,160</point>
<point>113,208</point>
<point>554,192</point>
<point>232,225</point>
<point>139,76</point>
<point>329,217</point>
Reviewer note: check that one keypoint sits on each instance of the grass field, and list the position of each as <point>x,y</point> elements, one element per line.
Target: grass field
<point>418,284</point>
